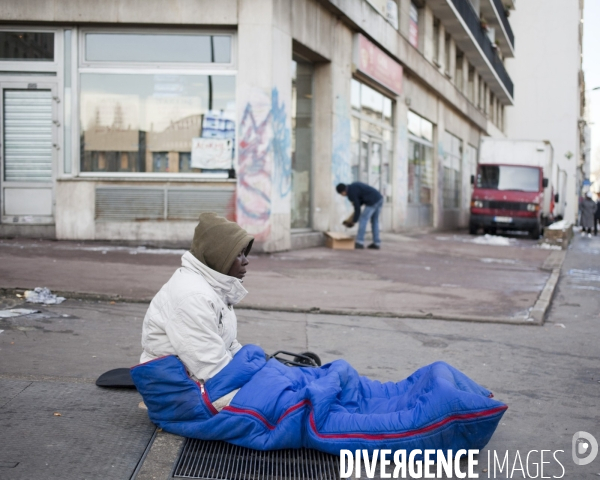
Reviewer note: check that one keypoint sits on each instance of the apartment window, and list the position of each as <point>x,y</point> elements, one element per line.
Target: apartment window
<point>452,164</point>
<point>436,41</point>
<point>458,71</point>
<point>420,160</point>
<point>471,84</point>
<point>481,94</point>
<point>175,120</point>
<point>413,25</point>
<point>447,55</point>
<point>27,46</point>
<point>492,110</point>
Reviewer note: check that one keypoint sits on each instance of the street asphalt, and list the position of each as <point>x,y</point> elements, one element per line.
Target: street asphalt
<point>56,424</point>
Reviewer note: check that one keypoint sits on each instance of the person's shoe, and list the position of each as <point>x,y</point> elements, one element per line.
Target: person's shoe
<point>359,246</point>
<point>374,247</point>
<point>589,235</point>
<point>583,234</point>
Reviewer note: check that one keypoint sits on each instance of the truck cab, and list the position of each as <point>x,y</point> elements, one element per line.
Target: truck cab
<point>513,188</point>
<point>508,197</point>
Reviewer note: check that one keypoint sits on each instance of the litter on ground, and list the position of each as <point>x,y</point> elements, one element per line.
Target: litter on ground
<point>42,295</point>
<point>16,312</point>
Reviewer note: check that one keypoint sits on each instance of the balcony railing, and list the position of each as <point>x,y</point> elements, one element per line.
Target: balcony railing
<point>502,14</point>
<point>467,12</point>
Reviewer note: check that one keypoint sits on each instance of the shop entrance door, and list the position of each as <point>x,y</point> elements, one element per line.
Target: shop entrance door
<point>371,161</point>
<point>29,145</point>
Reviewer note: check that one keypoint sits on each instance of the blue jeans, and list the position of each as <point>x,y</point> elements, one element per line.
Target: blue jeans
<point>369,212</point>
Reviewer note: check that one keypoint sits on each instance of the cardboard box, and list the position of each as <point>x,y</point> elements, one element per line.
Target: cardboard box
<point>339,241</point>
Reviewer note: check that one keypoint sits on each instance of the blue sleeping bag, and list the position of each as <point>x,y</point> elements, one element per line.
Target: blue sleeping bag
<point>328,408</point>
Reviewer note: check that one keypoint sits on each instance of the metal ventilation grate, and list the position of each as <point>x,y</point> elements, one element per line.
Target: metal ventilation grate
<point>222,461</point>
<point>128,204</point>
<point>188,204</point>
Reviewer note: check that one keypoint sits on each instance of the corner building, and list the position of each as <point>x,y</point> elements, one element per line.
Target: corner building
<point>125,120</point>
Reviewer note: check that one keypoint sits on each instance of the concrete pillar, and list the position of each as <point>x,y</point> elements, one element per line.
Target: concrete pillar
<point>426,33</point>
<point>400,166</point>
<point>438,158</point>
<point>263,110</point>
<point>341,74</point>
<point>404,20</point>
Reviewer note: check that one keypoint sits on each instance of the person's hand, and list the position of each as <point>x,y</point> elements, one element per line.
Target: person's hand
<point>348,223</point>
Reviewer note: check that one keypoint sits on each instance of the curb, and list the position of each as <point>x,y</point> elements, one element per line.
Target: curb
<point>553,263</point>
<point>536,315</point>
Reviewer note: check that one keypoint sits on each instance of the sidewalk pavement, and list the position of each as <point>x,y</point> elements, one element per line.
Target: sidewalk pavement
<point>443,276</point>
<point>549,376</point>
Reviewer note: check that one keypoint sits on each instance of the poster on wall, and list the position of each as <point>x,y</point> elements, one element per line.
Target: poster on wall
<point>212,153</point>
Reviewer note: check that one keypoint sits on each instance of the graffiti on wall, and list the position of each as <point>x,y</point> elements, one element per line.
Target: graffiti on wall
<point>281,147</point>
<point>264,162</point>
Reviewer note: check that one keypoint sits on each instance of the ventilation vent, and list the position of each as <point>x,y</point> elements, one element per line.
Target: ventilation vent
<point>188,204</point>
<point>219,460</point>
<point>126,204</point>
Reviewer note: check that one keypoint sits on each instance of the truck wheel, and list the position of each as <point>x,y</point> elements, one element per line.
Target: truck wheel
<point>534,233</point>
<point>472,229</point>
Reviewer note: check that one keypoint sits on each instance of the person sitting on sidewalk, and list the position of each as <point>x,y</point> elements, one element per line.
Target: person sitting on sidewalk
<point>192,315</point>
<point>361,194</point>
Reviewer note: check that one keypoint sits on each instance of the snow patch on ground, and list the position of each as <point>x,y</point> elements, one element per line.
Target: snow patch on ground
<point>547,246</point>
<point>493,240</point>
<point>562,225</point>
<point>507,261</point>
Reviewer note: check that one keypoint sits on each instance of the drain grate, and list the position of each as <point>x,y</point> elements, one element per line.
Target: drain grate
<point>223,461</point>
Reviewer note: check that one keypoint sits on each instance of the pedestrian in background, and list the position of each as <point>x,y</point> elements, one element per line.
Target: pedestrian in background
<point>597,216</point>
<point>588,212</point>
<point>361,194</point>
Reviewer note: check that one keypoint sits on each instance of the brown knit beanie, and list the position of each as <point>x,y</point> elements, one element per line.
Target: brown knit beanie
<point>217,242</point>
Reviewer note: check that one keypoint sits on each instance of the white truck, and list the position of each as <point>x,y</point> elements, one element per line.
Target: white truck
<point>515,186</point>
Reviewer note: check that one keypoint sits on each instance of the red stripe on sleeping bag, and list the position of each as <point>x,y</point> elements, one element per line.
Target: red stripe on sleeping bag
<point>366,436</point>
<point>383,436</point>
<point>257,415</point>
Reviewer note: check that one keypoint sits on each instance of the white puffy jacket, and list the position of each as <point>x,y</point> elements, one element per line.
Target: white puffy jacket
<point>192,317</point>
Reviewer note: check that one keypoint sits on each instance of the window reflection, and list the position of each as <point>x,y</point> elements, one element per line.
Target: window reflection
<point>27,46</point>
<point>148,123</point>
<point>145,48</point>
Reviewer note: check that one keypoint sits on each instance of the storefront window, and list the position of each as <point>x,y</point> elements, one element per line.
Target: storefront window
<point>157,122</point>
<point>161,48</point>
<point>302,113</point>
<point>27,46</point>
<point>371,137</point>
<point>452,170</point>
<point>420,160</point>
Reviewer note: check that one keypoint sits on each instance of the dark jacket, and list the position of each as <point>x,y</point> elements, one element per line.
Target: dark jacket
<point>588,210</point>
<point>598,210</point>
<point>362,194</point>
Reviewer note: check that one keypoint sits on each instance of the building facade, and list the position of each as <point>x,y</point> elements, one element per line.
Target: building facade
<point>125,120</point>
<point>550,100</point>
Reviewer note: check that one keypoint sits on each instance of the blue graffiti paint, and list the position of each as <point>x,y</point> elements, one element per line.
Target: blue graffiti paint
<point>281,144</point>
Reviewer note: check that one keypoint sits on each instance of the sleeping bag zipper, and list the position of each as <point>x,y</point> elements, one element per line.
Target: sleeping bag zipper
<point>205,397</point>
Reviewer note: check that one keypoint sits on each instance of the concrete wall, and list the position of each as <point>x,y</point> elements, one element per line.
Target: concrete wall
<point>545,71</point>
<point>175,12</point>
